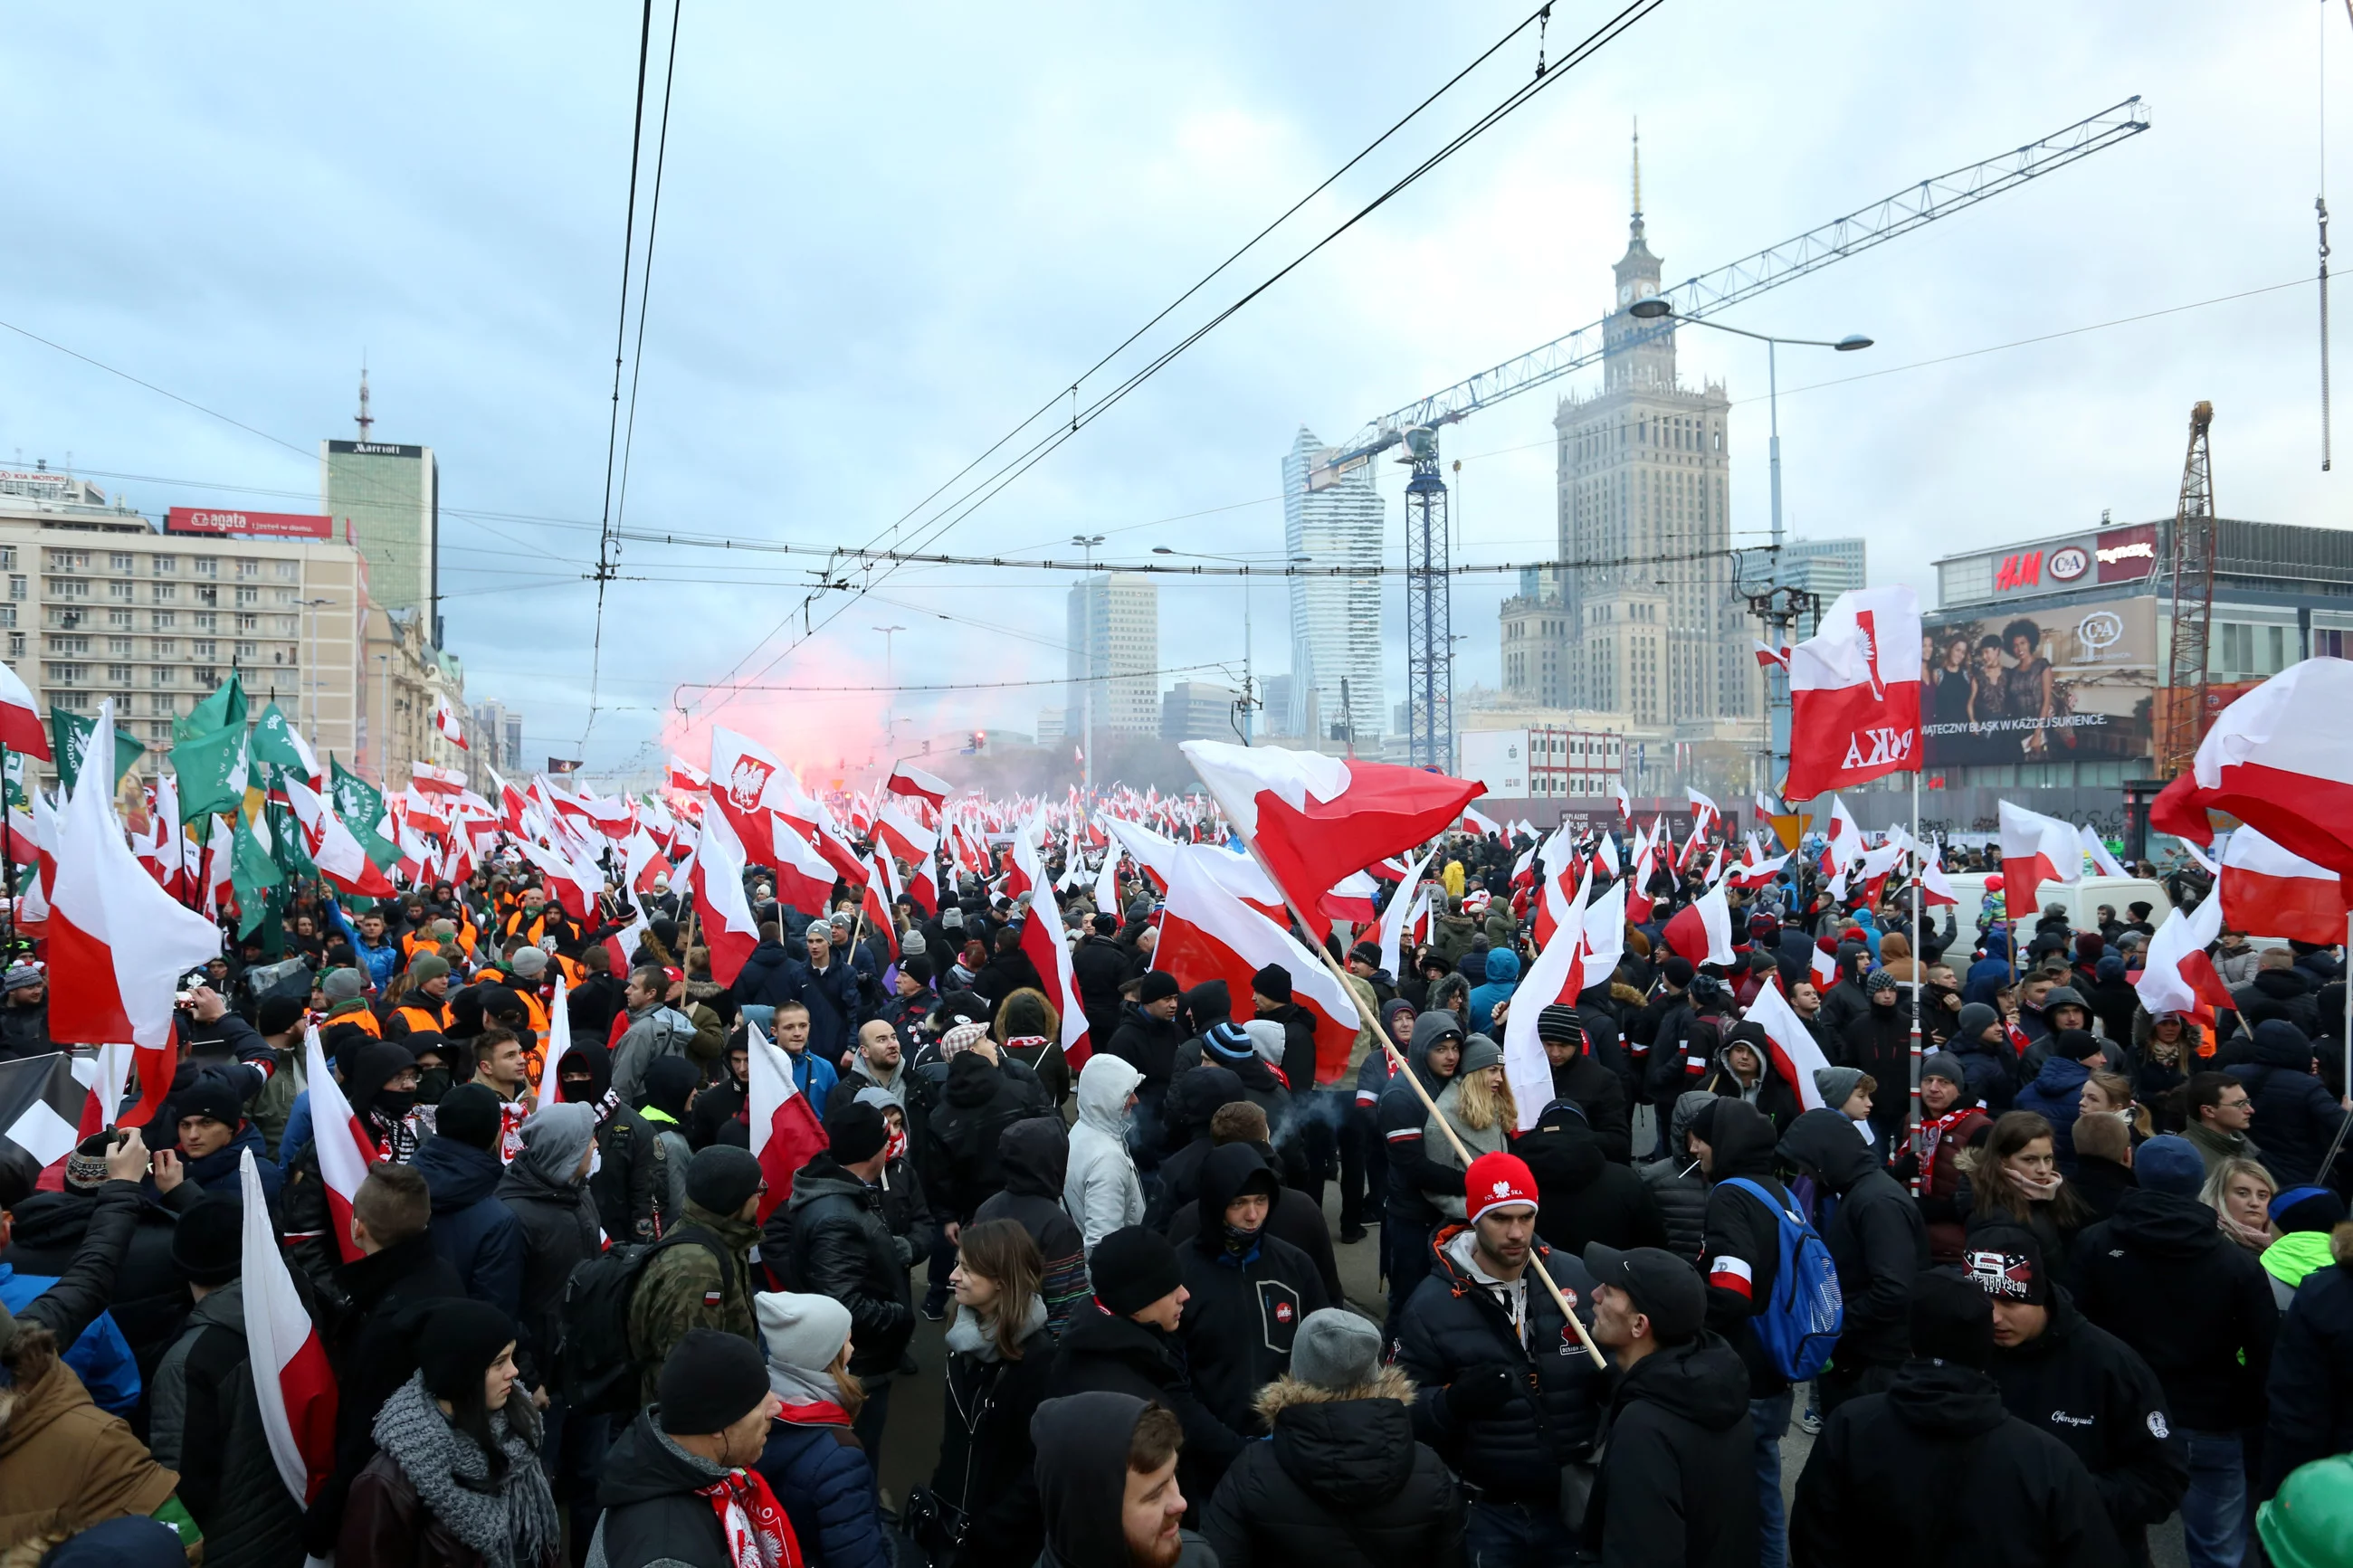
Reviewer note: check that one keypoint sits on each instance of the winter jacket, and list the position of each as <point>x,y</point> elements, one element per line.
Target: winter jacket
<point>1601,1095</point>
<point>1444,1151</point>
<point>1035,1156</point>
<point>1768,1091</point>
<point>1676,1487</point>
<point>1081,1471</point>
<point>479,1234</point>
<point>1874,1234</point>
<point>1502,978</point>
<point>1584,1196</point>
<point>204,1422</point>
<point>1295,1217</point>
<point>2310,1392</point>
<point>146,1300</point>
<point>829,1239</point>
<point>24,1031</point>
<point>761,980</point>
<point>1300,1067</point>
<point>1192,1101</point>
<point>1246,1304</point>
<point>218,1172</point>
<point>2280,996</point>
<point>1741,1251</point>
<point>2088,1389</point>
<point>835,1006</point>
<point>686,1286</point>
<point>652,1513</point>
<point>1452,1324</point>
<point>977,1103</point>
<point>2293,1110</point>
<point>1939,1199</point>
<point>2237,968</point>
<point>1100,1188</point>
<point>1679,1189</point>
<point>825,1483</point>
<point>1149,1046</point>
<point>1341,1484</point>
<point>1104,1353</point>
<point>659,1031</point>
<point>557,1220</point>
<point>985,1474</point>
<point>1415,1169</point>
<point>1879,1043</point>
<point>1991,1067</point>
<point>2016,1495</point>
<point>2211,1346</point>
<point>391,1521</point>
<point>65,1463</point>
<point>1099,964</point>
<point>2056,1094</point>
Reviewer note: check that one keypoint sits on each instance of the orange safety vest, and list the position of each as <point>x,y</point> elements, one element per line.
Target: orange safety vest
<point>360,1016</point>
<point>571,970</point>
<point>423,1021</point>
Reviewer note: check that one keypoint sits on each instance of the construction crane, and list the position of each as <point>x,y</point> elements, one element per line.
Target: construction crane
<point>2190,559</point>
<point>1429,613</point>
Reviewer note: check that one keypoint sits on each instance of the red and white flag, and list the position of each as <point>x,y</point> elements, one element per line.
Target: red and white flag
<point>2179,975</point>
<point>1773,657</point>
<point>1041,941</point>
<point>1794,1054</point>
<point>2036,850</point>
<point>345,1150</point>
<point>685,777</point>
<point>1557,975</point>
<point>918,846</point>
<point>727,927</point>
<point>1702,929</point>
<point>1478,823</point>
<point>1934,889</point>
<point>1207,934</point>
<point>448,720</point>
<point>909,780</point>
<point>1625,806</point>
<point>1843,840</point>
<point>547,1089</point>
<point>787,1132</point>
<point>1351,898</point>
<point>568,881</point>
<point>1855,693</point>
<point>743,787</point>
<point>2104,863</point>
<point>2269,890</point>
<point>21,729</point>
<point>2280,759</point>
<point>1400,909</point>
<point>292,1383</point>
<point>1705,813</point>
<point>1313,819</point>
<point>117,943</point>
<point>1825,970</point>
<point>333,849</point>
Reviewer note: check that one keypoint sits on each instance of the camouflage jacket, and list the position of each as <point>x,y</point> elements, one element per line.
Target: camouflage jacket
<point>683,1287</point>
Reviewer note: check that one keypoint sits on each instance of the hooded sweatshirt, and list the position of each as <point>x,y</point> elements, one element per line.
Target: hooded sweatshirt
<point>1102,1189</point>
<point>1402,1117</point>
<point>1502,978</point>
<point>1676,1470</point>
<point>1035,1155</point>
<point>1082,1442</point>
<point>1874,1234</point>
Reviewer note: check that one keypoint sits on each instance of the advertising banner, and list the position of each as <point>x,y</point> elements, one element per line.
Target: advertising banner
<point>2039,686</point>
<point>232,522</point>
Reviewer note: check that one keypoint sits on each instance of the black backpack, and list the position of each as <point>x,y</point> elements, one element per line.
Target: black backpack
<point>600,1367</point>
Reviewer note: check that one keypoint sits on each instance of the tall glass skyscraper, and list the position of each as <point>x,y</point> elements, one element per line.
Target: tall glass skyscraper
<point>1336,621</point>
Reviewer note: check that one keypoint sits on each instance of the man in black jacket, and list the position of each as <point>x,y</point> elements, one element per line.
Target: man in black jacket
<point>1146,1039</point>
<point>679,1465</point>
<point>46,1231</point>
<point>1295,1217</point>
<point>2067,1376</point>
<point>546,1189</point>
<point>2011,1494</point>
<point>1741,1257</point>
<point>1877,1240</point>
<point>2210,1347</point>
<point>764,979</point>
<point>1576,1076</point>
<point>1192,1104</point>
<point>1248,1289</point>
<point>1675,1486</point>
<point>1507,1395</point>
<point>977,1103</point>
<point>2311,1386</point>
<point>1099,963</point>
<point>829,1239</point>
<point>1410,1218</point>
<point>1587,1197</point>
<point>1645,1031</point>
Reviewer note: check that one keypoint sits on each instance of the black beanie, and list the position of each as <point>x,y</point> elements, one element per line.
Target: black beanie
<point>720,1178</point>
<point>278,1013</point>
<point>1273,983</point>
<point>1678,971</point>
<point>855,1133</point>
<point>208,1241</point>
<point>469,1115</point>
<point>455,1342</point>
<point>209,1096</point>
<point>1952,1320</point>
<point>1132,1269</point>
<point>710,1380</point>
<point>2006,1261</point>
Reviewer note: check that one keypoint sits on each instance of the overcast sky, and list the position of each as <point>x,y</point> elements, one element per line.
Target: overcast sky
<point>887,233</point>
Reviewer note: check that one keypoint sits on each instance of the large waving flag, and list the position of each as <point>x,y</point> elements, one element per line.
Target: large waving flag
<point>1207,934</point>
<point>787,1132</point>
<point>2036,850</point>
<point>118,943</point>
<point>20,719</point>
<point>1855,693</point>
<point>2179,975</point>
<point>292,1383</point>
<point>346,1150</point>
<point>918,846</point>
<point>2280,758</point>
<point>2271,891</point>
<point>1794,1054</point>
<point>728,928</point>
<point>1557,975</point>
<point>914,782</point>
<point>333,849</point>
<point>1313,819</point>
<point>1702,929</point>
<point>1042,940</point>
<point>1399,910</point>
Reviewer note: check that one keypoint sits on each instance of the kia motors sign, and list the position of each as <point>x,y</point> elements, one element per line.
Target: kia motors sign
<point>236,524</point>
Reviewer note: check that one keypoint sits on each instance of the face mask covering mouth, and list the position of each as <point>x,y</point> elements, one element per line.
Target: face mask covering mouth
<point>432,1083</point>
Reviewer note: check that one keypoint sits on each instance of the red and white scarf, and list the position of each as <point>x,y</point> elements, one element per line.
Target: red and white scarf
<point>757,1532</point>
<point>1932,1132</point>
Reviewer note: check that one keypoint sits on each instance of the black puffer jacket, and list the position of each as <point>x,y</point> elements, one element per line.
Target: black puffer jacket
<point>1876,1236</point>
<point>2295,1114</point>
<point>2027,1501</point>
<point>1741,1254</point>
<point>1035,1155</point>
<point>1678,1186</point>
<point>977,1104</point>
<point>1192,1101</point>
<point>1103,1353</point>
<point>2211,1346</point>
<point>1584,1195</point>
<point>1343,1484</point>
<point>1148,1045</point>
<point>1601,1095</point>
<point>1244,1309</point>
<point>1675,1484</point>
<point>1453,1325</point>
<point>148,1299</point>
<point>829,1239</point>
<point>2281,996</point>
<point>215,1440</point>
<point>2311,1388</point>
<point>559,1233</point>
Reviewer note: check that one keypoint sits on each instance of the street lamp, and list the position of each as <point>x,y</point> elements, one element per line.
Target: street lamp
<point>890,696</point>
<point>1249,700</point>
<point>1087,542</point>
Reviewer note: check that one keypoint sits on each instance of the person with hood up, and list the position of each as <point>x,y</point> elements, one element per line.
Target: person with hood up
<point>1506,1395</point>
<point>1951,1120</point>
<point>1035,1156</point>
<point>2056,1094</point>
<point>978,1099</point>
<point>1101,1188</point>
<point>2279,991</point>
<point>1343,1480</point>
<point>682,1490</point>
<point>821,1475</point>
<point>1191,1105</point>
<point>1295,1217</point>
<point>2210,1348</point>
<point>1880,1043</point>
<point>632,1167</point>
<point>763,978</point>
<point>456,1481</point>
<point>1107,1477</point>
<point>380,1082</point>
<point>1678,1184</point>
<point>2024,1499</point>
<point>670,1086</point>
<point>477,1235</point>
<point>2061,1372</point>
<point>1587,1197</point>
<point>546,1189</point>
<point>1248,1289</point>
<point>1989,1062</point>
<point>2290,1103</point>
<point>1577,1077</point>
<point>1878,1242</point>
<point>1741,1071</point>
<point>999,1360</point>
<point>1673,1487</point>
<point>1502,978</point>
<point>1415,1169</point>
<point>1989,973</point>
<point>2306,1219</point>
<point>1476,1107</point>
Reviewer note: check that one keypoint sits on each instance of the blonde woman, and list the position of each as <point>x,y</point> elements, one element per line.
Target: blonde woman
<point>1478,1106</point>
<point>2240,1192</point>
<point>2111,1094</point>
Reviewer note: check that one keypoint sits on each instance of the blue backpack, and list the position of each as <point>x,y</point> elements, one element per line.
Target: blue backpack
<point>1799,1326</point>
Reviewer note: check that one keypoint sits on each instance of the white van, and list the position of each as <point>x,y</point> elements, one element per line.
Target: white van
<point>2083,900</point>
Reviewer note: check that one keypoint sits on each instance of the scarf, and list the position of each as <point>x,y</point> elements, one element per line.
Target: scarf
<point>1933,1132</point>
<point>2252,1240</point>
<point>798,1385</point>
<point>512,1523</point>
<point>754,1524</point>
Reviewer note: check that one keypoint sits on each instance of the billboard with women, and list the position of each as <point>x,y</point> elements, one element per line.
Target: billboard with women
<point>2038,684</point>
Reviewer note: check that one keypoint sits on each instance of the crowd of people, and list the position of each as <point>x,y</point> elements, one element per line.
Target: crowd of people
<point>2105,1277</point>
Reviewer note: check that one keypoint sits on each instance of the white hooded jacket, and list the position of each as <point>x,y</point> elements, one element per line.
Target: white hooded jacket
<point>1100,1188</point>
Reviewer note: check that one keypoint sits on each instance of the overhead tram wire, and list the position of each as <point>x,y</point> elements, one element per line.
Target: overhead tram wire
<point>980,494</point>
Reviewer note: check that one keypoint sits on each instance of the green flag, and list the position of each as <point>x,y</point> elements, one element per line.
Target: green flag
<point>286,843</point>
<point>224,709</point>
<point>17,797</point>
<point>212,771</point>
<point>251,871</point>
<point>361,806</point>
<point>70,735</point>
<point>276,741</point>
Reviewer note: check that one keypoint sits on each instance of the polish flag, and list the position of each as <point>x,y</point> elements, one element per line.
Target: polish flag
<point>1855,693</point>
<point>1772,658</point>
<point>2036,850</point>
<point>787,1132</point>
<point>1042,940</point>
<point>117,943</point>
<point>1825,970</point>
<point>437,781</point>
<point>332,848</point>
<point>1240,875</point>
<point>743,787</point>
<point>685,777</point>
<point>1351,898</point>
<point>567,884</point>
<point>2179,975</point>
<point>908,780</point>
<point>1400,909</point>
<point>727,927</point>
<point>1625,806</point>
<point>1702,929</point>
<point>2279,759</point>
<point>1704,812</point>
<point>292,1383</point>
<point>1479,823</point>
<point>918,846</point>
<point>2272,891</point>
<point>20,719</point>
<point>881,887</point>
<point>1313,819</point>
<point>804,878</point>
<point>1207,934</point>
<point>1557,899</point>
<point>1794,1054</point>
<point>2107,864</point>
<point>447,720</point>
<point>1843,842</point>
<point>1934,889</point>
<point>1557,975</point>
<point>345,1150</point>
<point>546,1088</point>
<point>810,815</point>
<point>1753,873</point>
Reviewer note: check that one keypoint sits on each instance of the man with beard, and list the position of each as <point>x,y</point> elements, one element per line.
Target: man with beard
<point>1106,1473</point>
<point>1249,1289</point>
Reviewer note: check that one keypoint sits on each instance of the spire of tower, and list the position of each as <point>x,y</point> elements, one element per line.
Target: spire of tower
<point>1637,224</point>
<point>365,419</point>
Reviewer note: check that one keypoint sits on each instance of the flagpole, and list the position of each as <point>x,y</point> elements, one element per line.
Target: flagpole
<point>1919,974</point>
<point>8,858</point>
